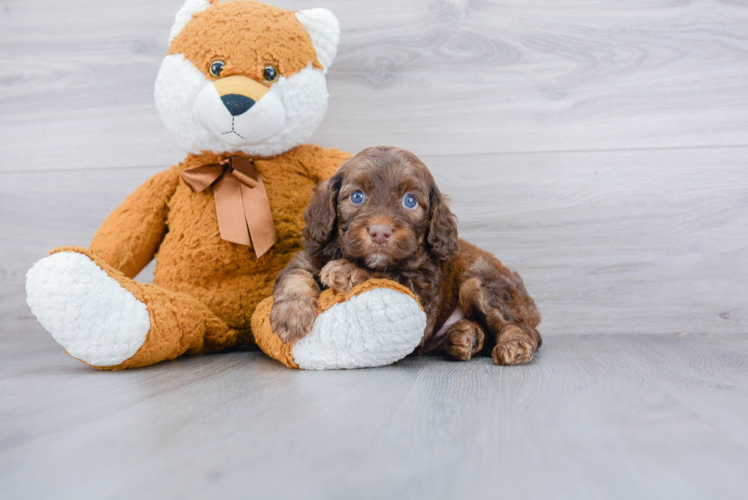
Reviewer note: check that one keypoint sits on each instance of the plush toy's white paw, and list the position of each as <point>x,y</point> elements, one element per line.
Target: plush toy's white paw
<point>375,328</point>
<point>94,318</point>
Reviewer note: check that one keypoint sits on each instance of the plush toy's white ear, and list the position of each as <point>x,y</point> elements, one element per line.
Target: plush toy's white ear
<point>185,14</point>
<point>324,30</point>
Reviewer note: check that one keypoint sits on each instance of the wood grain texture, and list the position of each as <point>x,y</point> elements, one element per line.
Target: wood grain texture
<point>632,242</point>
<point>434,76</point>
<point>592,417</point>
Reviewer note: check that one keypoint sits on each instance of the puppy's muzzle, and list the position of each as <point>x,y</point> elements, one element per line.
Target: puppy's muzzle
<point>239,93</point>
<point>380,233</point>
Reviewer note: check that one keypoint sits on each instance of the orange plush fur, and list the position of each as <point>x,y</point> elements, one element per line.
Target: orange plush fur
<point>275,37</point>
<point>204,289</point>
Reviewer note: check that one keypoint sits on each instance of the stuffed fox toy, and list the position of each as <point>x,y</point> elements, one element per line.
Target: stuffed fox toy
<point>241,88</point>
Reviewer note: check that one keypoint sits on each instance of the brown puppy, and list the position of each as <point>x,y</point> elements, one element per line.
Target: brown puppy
<point>382,215</point>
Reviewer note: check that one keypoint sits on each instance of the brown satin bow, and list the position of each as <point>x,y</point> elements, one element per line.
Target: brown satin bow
<point>242,203</point>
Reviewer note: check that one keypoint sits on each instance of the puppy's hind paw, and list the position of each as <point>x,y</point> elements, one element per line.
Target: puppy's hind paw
<point>515,347</point>
<point>464,339</point>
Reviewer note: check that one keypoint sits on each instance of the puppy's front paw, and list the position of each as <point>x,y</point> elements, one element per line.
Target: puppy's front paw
<point>464,339</point>
<point>515,347</point>
<point>293,319</point>
<point>341,275</point>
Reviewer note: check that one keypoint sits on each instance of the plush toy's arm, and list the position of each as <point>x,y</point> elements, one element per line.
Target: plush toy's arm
<point>321,163</point>
<point>129,238</point>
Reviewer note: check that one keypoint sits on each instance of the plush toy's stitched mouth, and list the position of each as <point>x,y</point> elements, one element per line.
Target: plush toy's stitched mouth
<point>233,130</point>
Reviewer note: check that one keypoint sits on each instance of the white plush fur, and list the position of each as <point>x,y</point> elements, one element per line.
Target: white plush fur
<point>375,328</point>
<point>184,16</point>
<point>324,30</point>
<point>85,310</point>
<point>199,123</point>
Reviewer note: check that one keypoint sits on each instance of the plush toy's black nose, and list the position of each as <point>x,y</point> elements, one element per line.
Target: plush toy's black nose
<point>237,104</point>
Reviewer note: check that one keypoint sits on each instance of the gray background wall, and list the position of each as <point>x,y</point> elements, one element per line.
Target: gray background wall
<point>598,148</point>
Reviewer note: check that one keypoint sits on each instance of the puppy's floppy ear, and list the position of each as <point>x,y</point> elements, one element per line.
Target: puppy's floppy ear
<point>321,214</point>
<point>442,236</point>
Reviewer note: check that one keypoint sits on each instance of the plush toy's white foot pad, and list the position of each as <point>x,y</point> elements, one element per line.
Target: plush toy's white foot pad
<point>94,318</point>
<point>375,328</point>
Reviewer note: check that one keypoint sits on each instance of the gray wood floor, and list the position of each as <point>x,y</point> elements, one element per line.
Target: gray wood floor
<point>599,148</point>
<point>592,417</point>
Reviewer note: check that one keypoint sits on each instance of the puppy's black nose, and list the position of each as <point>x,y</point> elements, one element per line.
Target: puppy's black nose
<point>380,233</point>
<point>237,104</point>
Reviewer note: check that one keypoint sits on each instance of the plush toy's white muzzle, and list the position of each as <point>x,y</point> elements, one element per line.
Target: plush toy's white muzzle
<point>239,118</point>
<point>194,111</point>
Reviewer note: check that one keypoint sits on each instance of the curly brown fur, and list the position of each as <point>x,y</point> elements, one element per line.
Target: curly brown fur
<point>295,301</point>
<point>349,239</point>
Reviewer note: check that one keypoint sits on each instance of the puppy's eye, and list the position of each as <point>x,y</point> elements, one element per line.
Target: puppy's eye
<point>216,68</point>
<point>410,202</point>
<point>270,75</point>
<point>358,197</point>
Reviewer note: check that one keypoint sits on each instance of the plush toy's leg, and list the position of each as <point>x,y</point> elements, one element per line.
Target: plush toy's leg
<point>376,323</point>
<point>111,322</point>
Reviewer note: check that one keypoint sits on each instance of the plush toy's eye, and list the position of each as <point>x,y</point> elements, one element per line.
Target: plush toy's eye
<point>216,67</point>
<point>270,75</point>
<point>410,202</point>
<point>358,197</point>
